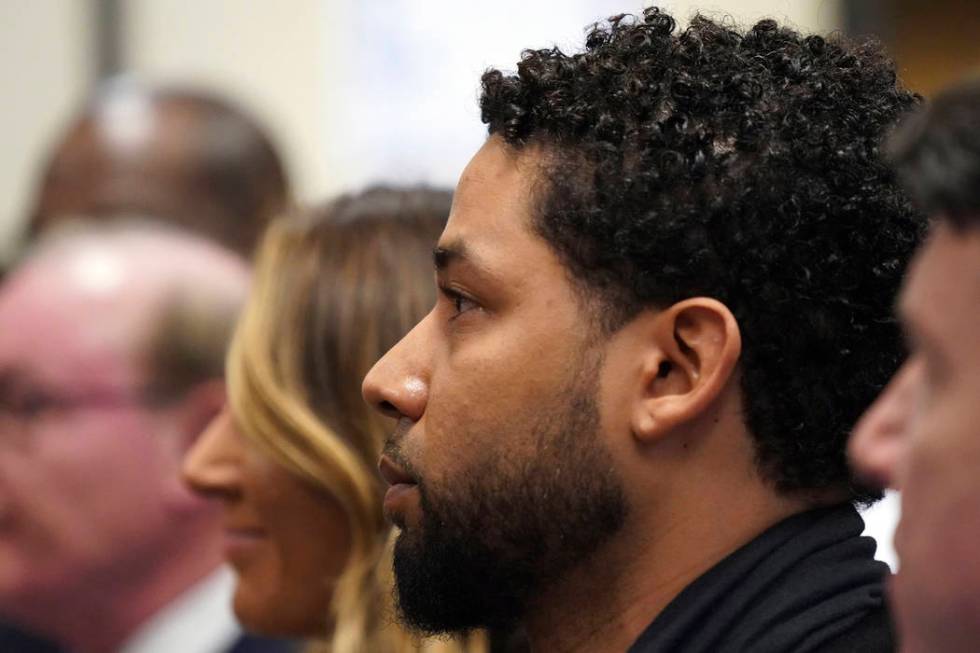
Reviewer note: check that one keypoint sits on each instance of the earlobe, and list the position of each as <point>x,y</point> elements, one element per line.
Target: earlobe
<point>690,357</point>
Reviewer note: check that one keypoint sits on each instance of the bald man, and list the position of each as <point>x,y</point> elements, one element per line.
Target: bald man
<point>112,342</point>
<point>181,155</point>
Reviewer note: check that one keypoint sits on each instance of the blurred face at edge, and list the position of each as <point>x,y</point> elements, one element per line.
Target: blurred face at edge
<point>287,540</point>
<point>923,436</point>
<point>89,482</point>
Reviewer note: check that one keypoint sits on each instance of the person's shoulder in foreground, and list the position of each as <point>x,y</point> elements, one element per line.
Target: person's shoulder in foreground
<point>922,436</point>
<point>665,298</point>
<point>806,584</point>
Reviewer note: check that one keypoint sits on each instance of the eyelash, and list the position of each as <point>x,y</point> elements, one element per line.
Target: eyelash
<point>456,299</point>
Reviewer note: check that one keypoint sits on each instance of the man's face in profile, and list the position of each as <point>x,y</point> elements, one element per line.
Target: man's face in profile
<point>502,478</point>
<point>923,436</point>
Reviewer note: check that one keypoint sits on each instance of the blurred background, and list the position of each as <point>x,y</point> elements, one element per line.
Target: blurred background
<point>362,90</point>
<point>357,91</point>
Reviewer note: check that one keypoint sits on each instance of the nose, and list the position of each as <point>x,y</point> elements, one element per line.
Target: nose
<point>212,467</point>
<point>398,384</point>
<point>878,446</point>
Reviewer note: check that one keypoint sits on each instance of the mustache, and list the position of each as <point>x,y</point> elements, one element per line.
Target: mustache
<point>392,449</point>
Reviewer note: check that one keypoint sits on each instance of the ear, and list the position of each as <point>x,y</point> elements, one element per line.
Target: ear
<point>690,354</point>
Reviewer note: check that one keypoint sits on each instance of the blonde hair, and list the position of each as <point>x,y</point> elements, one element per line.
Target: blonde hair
<point>334,289</point>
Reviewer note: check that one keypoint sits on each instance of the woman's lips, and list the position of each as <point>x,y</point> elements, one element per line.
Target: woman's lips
<point>241,543</point>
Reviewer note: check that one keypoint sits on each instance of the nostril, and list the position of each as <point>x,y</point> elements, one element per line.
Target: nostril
<point>389,409</point>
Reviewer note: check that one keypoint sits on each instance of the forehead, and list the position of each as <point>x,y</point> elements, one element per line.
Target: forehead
<point>943,285</point>
<point>59,333</point>
<point>491,214</point>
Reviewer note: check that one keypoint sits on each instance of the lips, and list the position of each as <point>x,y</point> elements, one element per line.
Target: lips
<point>393,473</point>
<point>242,542</point>
<point>402,495</point>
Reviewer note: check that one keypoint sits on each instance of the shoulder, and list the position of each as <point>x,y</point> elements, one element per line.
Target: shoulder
<point>873,634</point>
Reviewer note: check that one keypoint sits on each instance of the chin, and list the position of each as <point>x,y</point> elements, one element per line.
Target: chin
<point>264,611</point>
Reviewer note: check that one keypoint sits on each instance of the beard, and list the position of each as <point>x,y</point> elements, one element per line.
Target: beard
<point>508,527</point>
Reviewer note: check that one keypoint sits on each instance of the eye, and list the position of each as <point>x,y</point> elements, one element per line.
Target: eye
<point>460,302</point>
<point>32,405</point>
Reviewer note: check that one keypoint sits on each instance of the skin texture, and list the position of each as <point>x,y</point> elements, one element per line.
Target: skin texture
<point>921,437</point>
<point>286,540</point>
<point>470,383</point>
<point>97,532</point>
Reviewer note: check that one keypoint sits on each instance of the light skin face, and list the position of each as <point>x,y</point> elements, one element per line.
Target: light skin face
<point>509,336</point>
<point>287,541</point>
<point>921,436</point>
<point>87,491</point>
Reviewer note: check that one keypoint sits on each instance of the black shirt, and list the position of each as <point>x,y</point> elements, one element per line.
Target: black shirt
<point>809,584</point>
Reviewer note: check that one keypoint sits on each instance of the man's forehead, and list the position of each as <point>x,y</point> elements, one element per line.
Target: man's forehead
<point>492,202</point>
<point>943,282</point>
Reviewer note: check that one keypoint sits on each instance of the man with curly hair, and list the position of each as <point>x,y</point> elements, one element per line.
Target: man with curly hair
<point>665,298</point>
<point>921,435</point>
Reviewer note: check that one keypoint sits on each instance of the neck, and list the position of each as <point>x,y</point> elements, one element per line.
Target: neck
<point>101,613</point>
<point>608,601</point>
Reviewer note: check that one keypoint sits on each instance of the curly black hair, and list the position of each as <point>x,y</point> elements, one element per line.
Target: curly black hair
<point>740,165</point>
<point>937,154</point>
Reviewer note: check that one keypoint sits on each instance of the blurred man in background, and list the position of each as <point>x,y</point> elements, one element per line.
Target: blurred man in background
<point>185,156</point>
<point>923,434</point>
<point>112,342</point>
<point>180,155</point>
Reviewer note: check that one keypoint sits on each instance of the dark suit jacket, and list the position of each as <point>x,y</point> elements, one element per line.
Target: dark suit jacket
<point>15,641</point>
<point>253,644</point>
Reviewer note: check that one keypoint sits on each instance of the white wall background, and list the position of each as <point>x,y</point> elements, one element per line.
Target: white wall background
<point>408,95</point>
<point>45,67</point>
<point>354,90</point>
<point>266,54</point>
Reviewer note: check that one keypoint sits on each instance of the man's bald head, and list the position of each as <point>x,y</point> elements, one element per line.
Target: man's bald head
<point>139,285</point>
<point>183,156</point>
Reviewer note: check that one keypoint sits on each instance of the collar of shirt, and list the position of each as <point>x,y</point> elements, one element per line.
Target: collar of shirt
<point>198,621</point>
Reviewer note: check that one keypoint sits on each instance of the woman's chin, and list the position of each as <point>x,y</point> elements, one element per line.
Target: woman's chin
<point>271,615</point>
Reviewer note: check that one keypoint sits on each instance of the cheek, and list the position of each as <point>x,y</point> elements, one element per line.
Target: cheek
<point>484,392</point>
<point>98,476</point>
<point>78,503</point>
<point>940,526</point>
<point>288,589</point>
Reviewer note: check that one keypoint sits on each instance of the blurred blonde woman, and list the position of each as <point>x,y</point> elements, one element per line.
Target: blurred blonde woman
<point>292,457</point>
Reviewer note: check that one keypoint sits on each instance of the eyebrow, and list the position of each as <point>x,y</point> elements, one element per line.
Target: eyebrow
<point>9,376</point>
<point>12,379</point>
<point>458,252</point>
<point>444,255</point>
